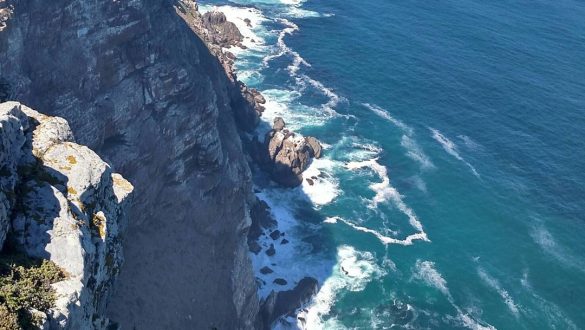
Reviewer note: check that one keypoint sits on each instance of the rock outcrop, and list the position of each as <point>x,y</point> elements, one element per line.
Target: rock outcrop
<point>139,84</point>
<point>222,33</point>
<point>63,203</point>
<point>284,154</point>
<point>283,303</point>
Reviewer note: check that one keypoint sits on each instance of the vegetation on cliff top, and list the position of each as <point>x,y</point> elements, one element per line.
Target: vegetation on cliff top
<point>25,285</point>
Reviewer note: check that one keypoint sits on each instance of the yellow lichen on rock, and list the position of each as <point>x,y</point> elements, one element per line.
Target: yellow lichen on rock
<point>98,222</point>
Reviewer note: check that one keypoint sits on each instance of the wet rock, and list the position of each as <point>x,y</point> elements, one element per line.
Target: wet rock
<point>284,154</point>
<point>223,32</point>
<point>271,251</point>
<point>266,270</point>
<point>254,247</point>
<point>310,181</point>
<point>285,302</point>
<point>284,241</point>
<point>278,124</point>
<point>261,218</point>
<point>275,234</point>
<point>248,22</point>
<point>315,146</point>
<point>280,281</point>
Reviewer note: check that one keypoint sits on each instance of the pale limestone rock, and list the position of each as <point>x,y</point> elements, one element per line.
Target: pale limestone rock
<point>72,212</point>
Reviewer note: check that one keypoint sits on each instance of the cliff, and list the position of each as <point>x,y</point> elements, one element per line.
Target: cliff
<point>59,201</point>
<point>144,91</point>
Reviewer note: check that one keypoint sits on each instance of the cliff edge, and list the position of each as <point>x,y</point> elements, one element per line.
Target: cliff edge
<point>60,202</point>
<point>142,89</point>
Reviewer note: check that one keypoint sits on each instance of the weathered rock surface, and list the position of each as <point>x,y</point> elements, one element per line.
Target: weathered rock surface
<point>223,33</point>
<point>65,204</point>
<point>138,83</point>
<point>282,303</point>
<point>285,155</point>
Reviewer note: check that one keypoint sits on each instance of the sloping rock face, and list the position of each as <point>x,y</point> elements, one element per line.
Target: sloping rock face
<point>137,85</point>
<point>285,155</point>
<point>64,204</point>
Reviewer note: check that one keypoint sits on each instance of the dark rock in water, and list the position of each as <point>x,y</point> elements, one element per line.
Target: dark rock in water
<point>248,22</point>
<point>275,234</point>
<point>278,124</point>
<point>223,32</point>
<point>284,154</point>
<point>266,270</point>
<point>315,146</point>
<point>284,241</point>
<point>280,281</point>
<point>254,247</point>
<point>314,177</point>
<point>311,182</point>
<point>285,302</point>
<point>261,219</point>
<point>271,251</point>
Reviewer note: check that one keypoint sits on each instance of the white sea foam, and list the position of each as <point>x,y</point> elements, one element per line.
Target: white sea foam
<point>549,245</point>
<point>426,272</point>
<point>334,99</point>
<point>352,272</point>
<point>238,16</point>
<point>384,192</point>
<point>292,261</point>
<point>555,315</point>
<point>386,115</point>
<point>415,152</point>
<point>324,188</point>
<point>451,148</point>
<point>384,239</point>
<point>495,284</point>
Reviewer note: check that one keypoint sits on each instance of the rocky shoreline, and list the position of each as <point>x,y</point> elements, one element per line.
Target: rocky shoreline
<point>150,87</point>
<point>282,154</point>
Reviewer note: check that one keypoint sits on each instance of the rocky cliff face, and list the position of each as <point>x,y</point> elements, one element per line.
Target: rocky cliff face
<point>60,201</point>
<point>137,85</point>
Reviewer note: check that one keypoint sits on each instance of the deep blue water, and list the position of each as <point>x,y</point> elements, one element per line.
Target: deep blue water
<point>452,192</point>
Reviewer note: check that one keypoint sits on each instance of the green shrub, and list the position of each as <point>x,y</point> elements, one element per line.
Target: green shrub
<point>25,284</point>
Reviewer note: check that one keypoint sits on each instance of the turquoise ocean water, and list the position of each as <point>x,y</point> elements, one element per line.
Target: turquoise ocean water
<point>452,191</point>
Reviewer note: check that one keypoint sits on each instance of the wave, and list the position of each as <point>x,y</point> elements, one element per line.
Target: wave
<point>544,239</point>
<point>415,152</point>
<point>323,188</point>
<point>495,284</point>
<point>555,315</point>
<point>291,261</point>
<point>384,239</point>
<point>334,99</point>
<point>426,272</point>
<point>451,148</point>
<point>384,192</point>
<point>386,115</point>
<point>353,271</point>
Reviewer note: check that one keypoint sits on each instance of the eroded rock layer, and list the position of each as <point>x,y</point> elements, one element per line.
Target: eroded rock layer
<point>60,201</point>
<point>138,84</point>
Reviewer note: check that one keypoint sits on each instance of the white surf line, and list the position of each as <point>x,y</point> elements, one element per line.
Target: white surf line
<point>426,272</point>
<point>386,115</point>
<point>413,150</point>
<point>384,239</point>
<point>495,284</point>
<point>451,148</point>
<point>385,191</point>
